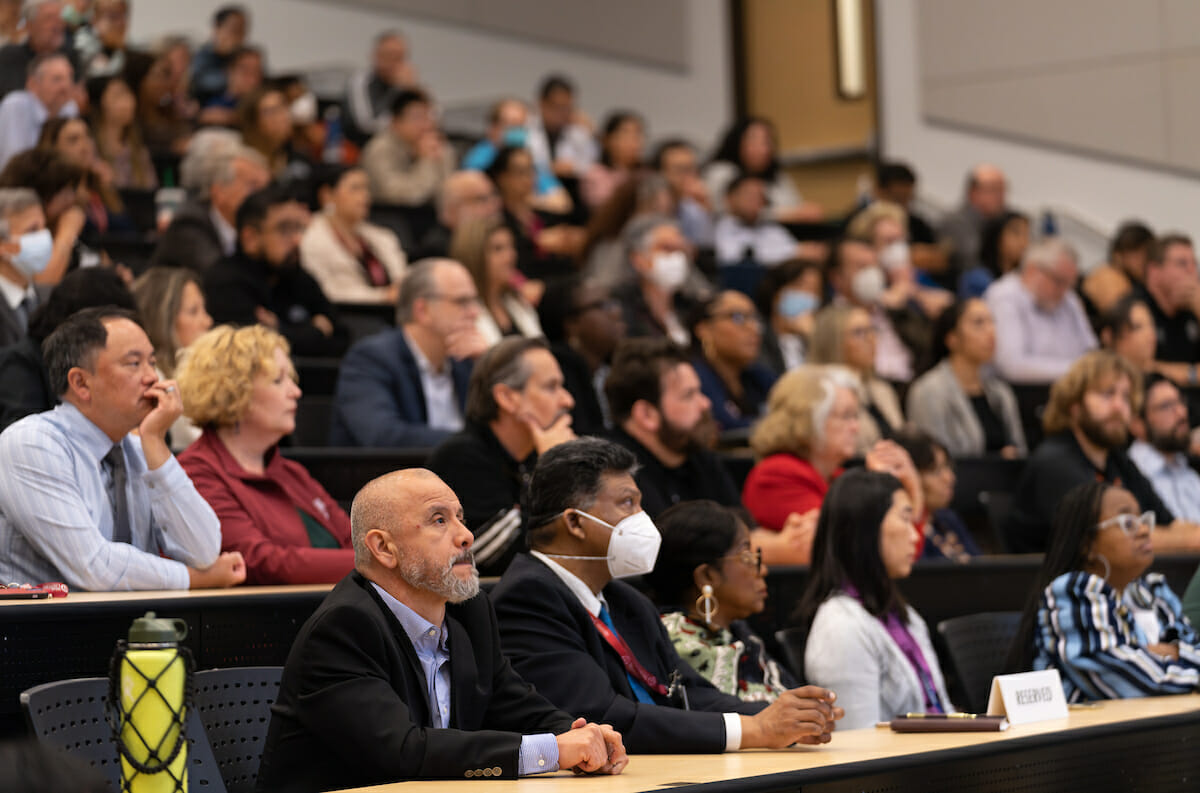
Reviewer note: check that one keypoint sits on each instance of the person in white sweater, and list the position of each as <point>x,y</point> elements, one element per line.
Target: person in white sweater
<point>864,641</point>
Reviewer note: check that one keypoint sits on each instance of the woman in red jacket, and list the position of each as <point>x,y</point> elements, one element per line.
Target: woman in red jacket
<point>239,385</point>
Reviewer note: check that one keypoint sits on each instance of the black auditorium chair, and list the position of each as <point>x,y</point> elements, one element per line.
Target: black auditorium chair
<point>235,706</point>
<point>792,640</point>
<point>983,494</point>
<point>978,646</point>
<point>342,471</point>
<point>318,376</point>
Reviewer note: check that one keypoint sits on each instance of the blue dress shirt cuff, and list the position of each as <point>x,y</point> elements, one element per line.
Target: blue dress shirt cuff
<point>539,754</point>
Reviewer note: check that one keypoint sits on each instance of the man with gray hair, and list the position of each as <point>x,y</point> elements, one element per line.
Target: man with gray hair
<point>517,409</point>
<point>219,171</point>
<point>657,301</point>
<point>25,246</point>
<point>398,674</point>
<point>1041,325</point>
<point>48,94</point>
<point>45,32</point>
<point>408,386</point>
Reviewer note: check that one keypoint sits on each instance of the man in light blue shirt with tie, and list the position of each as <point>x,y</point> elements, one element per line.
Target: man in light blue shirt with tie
<point>84,500</point>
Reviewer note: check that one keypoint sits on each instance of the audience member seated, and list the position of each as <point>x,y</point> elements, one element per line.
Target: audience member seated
<point>708,580</point>
<point>655,303</point>
<point>165,106</point>
<point>239,385</point>
<point>1160,451</point>
<point>1128,252</point>
<point>965,407</point>
<point>902,334</point>
<point>408,160</point>
<point>47,94</point>
<point>113,117</point>
<point>25,247</point>
<point>265,121</point>
<point>844,335</point>
<point>864,640</point>
<point>101,48</point>
<point>370,92</point>
<point>487,249</point>
<point>595,645</point>
<point>622,147</point>
<point>230,26</point>
<point>1127,328</point>
<point>728,342</point>
<point>465,195</point>
<point>44,34</point>
<point>353,260</point>
<point>744,234</point>
<point>355,709</point>
<point>244,74</point>
<point>218,172</point>
<point>1172,293</point>
<point>407,386</point>
<point>87,501</point>
<point>517,409</point>
<point>787,297</point>
<point>604,258</point>
<point>810,431</point>
<point>24,387</point>
<point>170,303</point>
<point>660,413</point>
<point>750,146</point>
<point>508,126</point>
<point>560,136</point>
<point>961,230</point>
<point>896,183</point>
<point>583,324</point>
<point>675,161</point>
<point>884,226</point>
<point>264,282</point>
<point>546,245</point>
<point>1040,322</point>
<point>1002,246</point>
<point>1111,629</point>
<point>94,190</point>
<point>1087,428</point>
<point>944,535</point>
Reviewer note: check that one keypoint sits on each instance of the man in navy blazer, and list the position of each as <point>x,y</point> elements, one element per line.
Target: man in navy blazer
<point>551,604</point>
<point>398,675</point>
<point>408,386</point>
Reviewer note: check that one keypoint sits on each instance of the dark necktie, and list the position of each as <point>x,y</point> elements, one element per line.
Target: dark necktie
<point>115,462</point>
<point>23,311</point>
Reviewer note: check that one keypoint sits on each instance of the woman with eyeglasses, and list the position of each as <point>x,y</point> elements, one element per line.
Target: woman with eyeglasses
<point>864,641</point>
<point>709,579</point>
<point>727,334</point>
<point>1111,629</point>
<point>487,248</point>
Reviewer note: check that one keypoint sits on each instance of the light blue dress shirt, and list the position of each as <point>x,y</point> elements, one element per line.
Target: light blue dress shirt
<point>56,520</point>
<point>538,754</point>
<point>21,118</point>
<point>1172,478</point>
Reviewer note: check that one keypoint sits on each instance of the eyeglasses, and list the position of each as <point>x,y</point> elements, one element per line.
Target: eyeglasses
<point>608,304</point>
<point>751,557</point>
<point>466,301</point>
<point>288,228</point>
<point>1128,522</point>
<point>738,317</point>
<point>865,332</point>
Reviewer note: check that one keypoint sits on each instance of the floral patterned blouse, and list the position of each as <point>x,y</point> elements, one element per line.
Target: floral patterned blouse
<point>734,660</point>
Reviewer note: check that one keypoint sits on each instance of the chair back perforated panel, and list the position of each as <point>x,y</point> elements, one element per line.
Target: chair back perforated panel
<point>978,645</point>
<point>792,641</point>
<point>235,706</point>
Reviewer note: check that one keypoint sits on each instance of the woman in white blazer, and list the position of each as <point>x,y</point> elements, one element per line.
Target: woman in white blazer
<point>487,249</point>
<point>864,642</point>
<point>961,402</point>
<point>354,261</point>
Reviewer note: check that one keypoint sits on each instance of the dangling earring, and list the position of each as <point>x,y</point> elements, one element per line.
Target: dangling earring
<point>707,605</point>
<point>1107,566</point>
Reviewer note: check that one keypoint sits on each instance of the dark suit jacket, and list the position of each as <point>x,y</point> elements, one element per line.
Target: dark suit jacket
<point>24,387</point>
<point>352,708</point>
<point>552,643</point>
<point>11,331</point>
<point>379,400</point>
<point>190,240</point>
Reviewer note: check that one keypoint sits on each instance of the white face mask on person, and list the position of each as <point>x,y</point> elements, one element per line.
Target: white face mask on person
<point>868,285</point>
<point>632,546</point>
<point>895,256</point>
<point>35,252</point>
<point>669,270</point>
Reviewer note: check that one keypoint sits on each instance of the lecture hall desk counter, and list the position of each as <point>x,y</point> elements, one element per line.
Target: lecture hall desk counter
<point>1149,744</point>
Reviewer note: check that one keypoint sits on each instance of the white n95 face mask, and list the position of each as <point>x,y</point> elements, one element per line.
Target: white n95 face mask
<point>868,285</point>
<point>632,547</point>
<point>895,256</point>
<point>669,270</point>
<point>34,255</point>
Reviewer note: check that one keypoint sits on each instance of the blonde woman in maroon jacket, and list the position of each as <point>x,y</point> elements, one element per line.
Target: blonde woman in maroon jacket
<point>240,386</point>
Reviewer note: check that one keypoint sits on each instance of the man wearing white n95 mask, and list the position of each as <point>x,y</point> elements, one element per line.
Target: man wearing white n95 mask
<point>25,247</point>
<point>594,645</point>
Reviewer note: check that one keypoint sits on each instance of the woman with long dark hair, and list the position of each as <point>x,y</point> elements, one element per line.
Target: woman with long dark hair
<point>1111,629</point>
<point>750,146</point>
<point>864,641</point>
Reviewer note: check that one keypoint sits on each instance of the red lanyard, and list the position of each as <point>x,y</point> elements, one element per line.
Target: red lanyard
<point>632,665</point>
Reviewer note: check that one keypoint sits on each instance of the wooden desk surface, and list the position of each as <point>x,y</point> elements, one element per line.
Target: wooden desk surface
<point>655,772</point>
<point>174,595</point>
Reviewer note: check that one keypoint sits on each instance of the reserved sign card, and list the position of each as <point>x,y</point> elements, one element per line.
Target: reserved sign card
<point>1028,697</point>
